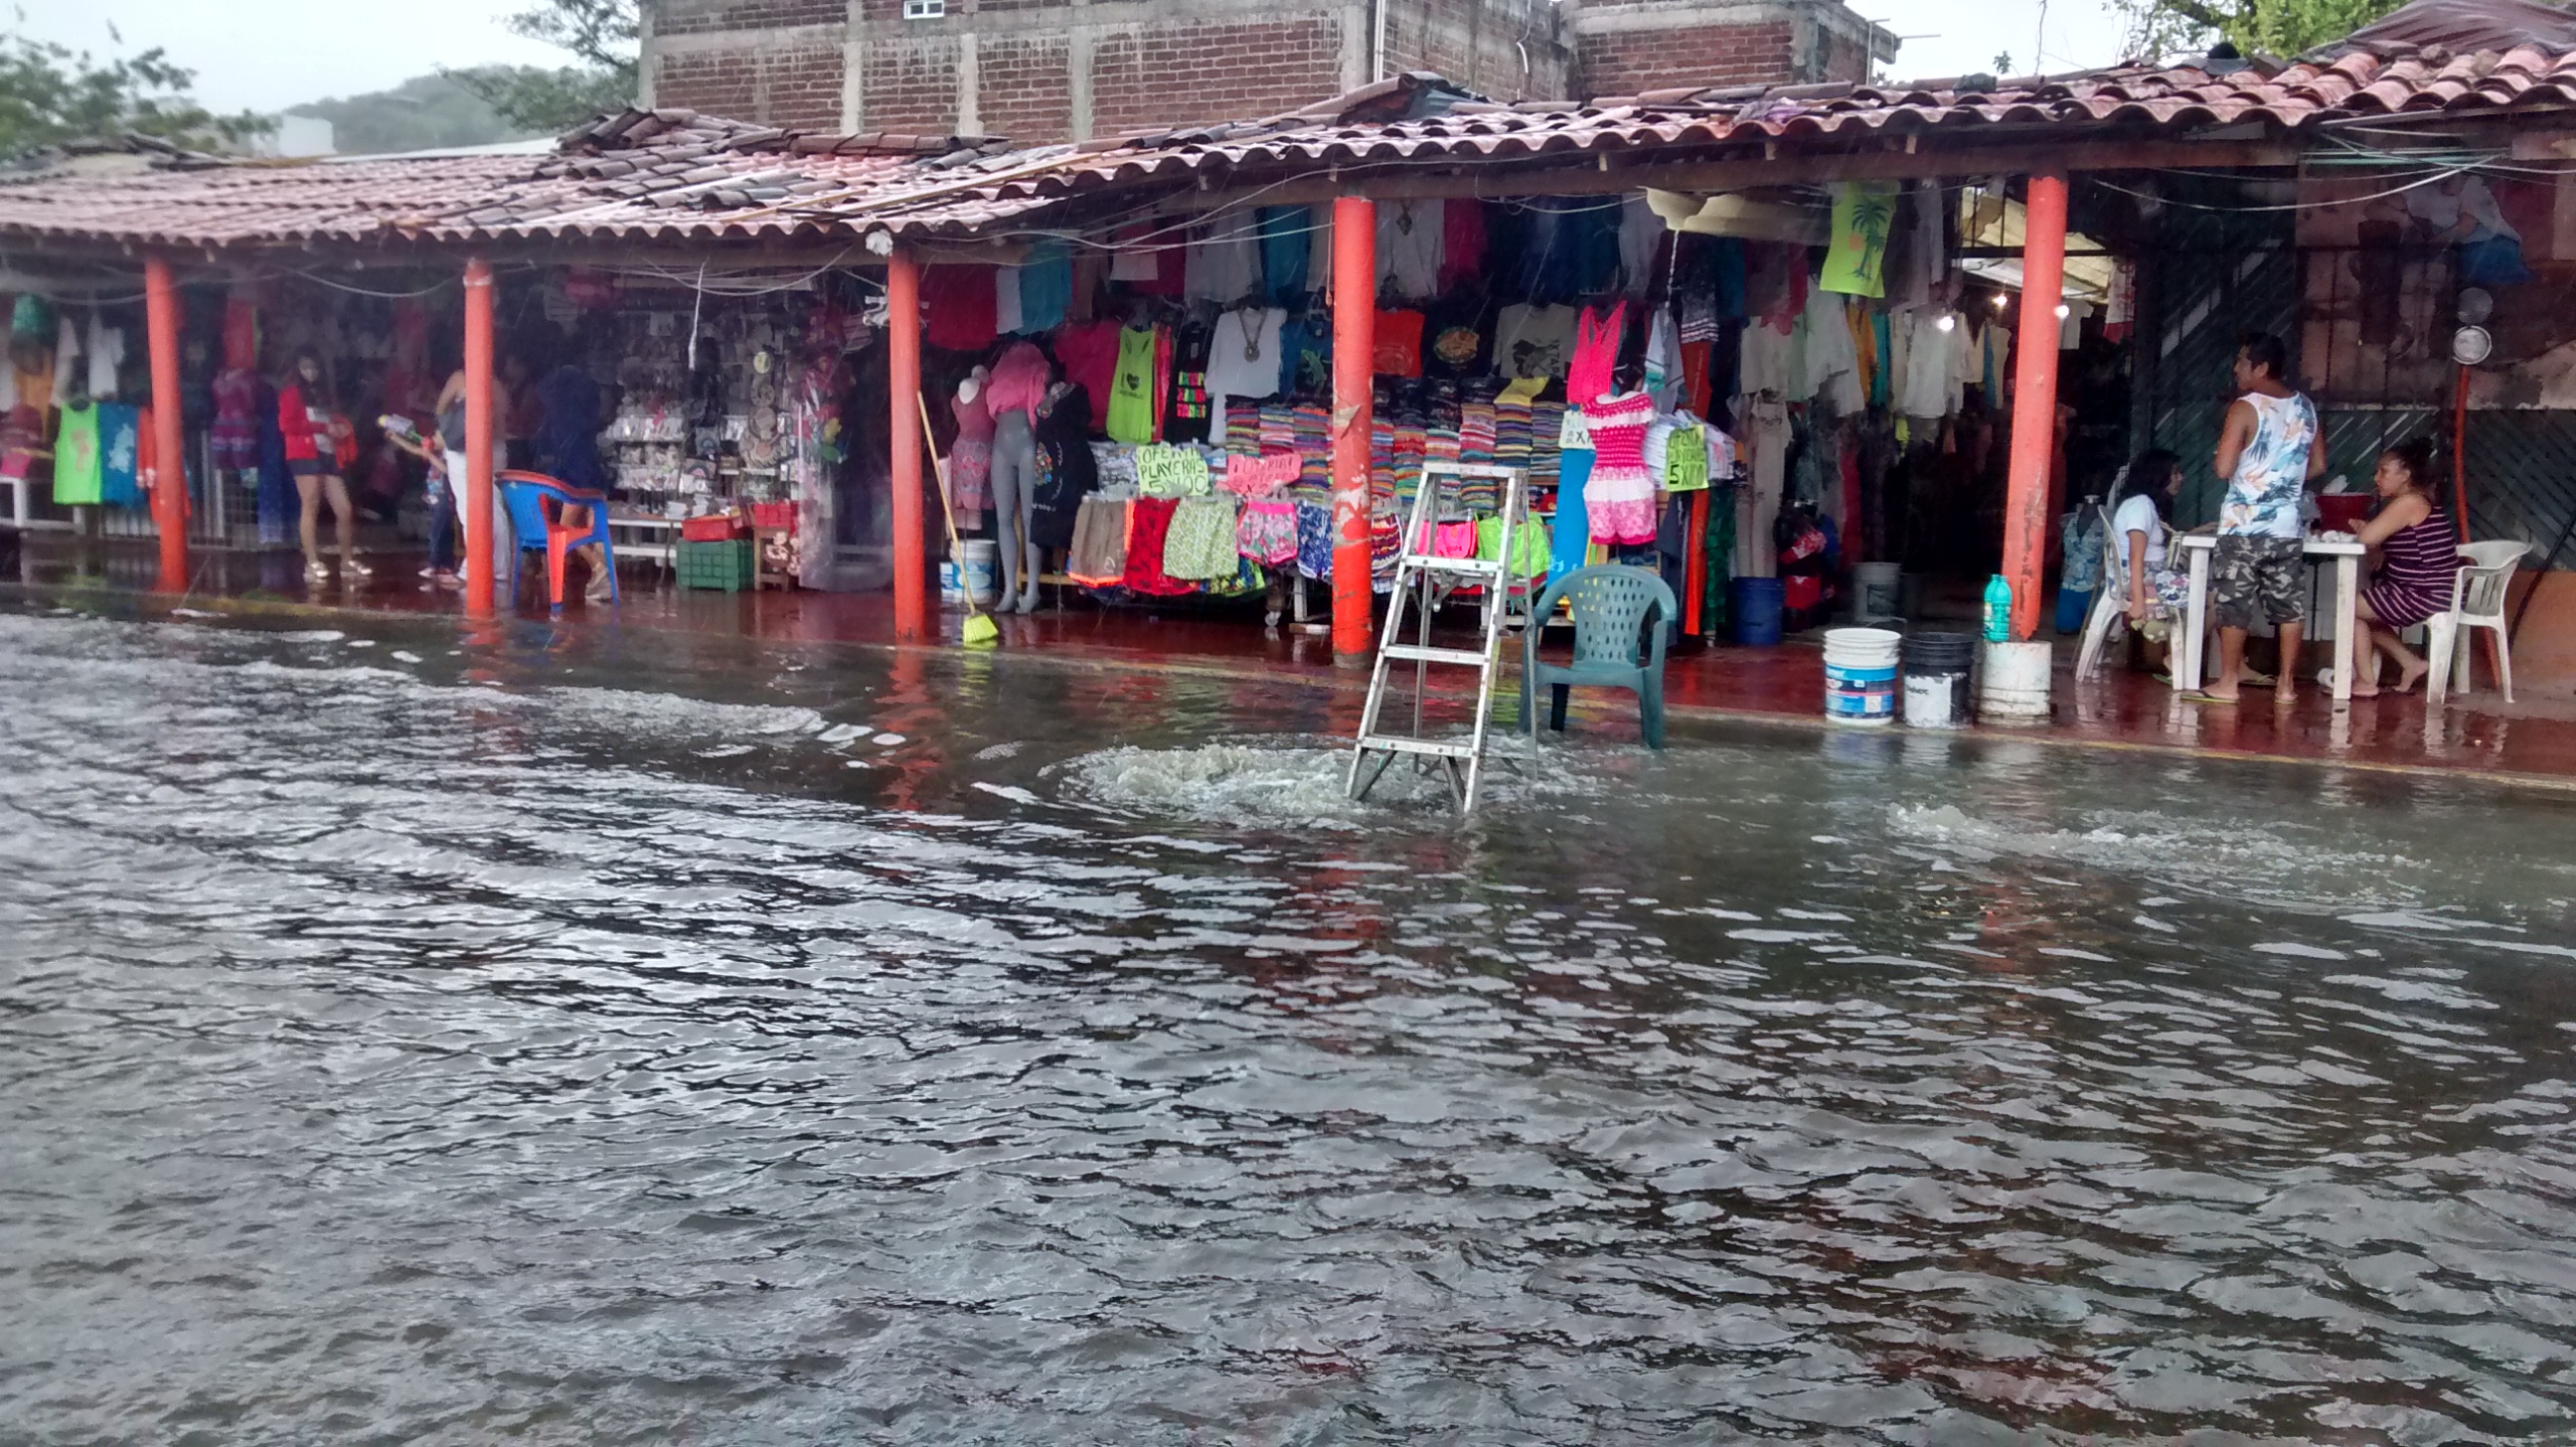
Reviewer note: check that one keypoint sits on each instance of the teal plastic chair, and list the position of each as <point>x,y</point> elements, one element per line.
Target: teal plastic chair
<point>1621,617</point>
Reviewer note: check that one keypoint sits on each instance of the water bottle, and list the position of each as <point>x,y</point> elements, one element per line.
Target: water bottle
<point>1998,610</point>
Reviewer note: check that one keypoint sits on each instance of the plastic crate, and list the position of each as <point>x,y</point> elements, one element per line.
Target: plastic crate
<point>722,567</point>
<point>713,528</point>
<point>780,515</point>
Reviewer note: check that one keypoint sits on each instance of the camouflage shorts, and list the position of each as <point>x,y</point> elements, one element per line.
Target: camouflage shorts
<point>2251,573</point>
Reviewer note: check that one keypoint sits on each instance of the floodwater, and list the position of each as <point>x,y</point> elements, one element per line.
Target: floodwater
<point>624,1037</point>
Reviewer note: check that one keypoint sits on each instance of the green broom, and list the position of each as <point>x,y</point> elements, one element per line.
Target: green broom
<point>980,631</point>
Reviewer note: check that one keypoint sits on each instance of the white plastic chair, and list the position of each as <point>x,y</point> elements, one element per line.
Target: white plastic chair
<point>2110,600</point>
<point>2478,592</point>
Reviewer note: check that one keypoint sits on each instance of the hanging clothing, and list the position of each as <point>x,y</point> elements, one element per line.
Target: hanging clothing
<point>235,431</point>
<point>1757,506</point>
<point>1286,234</point>
<point>1409,235</point>
<point>1067,472</point>
<point>1462,244</point>
<point>1533,341</point>
<point>1663,358</point>
<point>1597,336</point>
<point>77,476</point>
<point>1856,246</point>
<point>1201,545</point>
<point>120,455</point>
<point>1006,300</point>
<point>1046,287</point>
<point>957,305</point>
<point>1133,386</point>
<point>1935,342</point>
<point>1223,261</point>
<point>1149,528</point>
<point>1619,496</point>
<point>1641,234</point>
<point>1018,382</point>
<point>1243,359</point>
<point>1763,364</point>
<point>1397,344</point>
<point>1098,557</point>
<point>106,357</point>
<point>1833,359</point>
<point>1188,412</point>
<point>1089,354</point>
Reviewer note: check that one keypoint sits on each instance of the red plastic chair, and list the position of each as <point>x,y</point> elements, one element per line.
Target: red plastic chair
<point>526,494</point>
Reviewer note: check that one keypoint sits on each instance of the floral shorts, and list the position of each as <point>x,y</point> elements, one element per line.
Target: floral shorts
<point>1266,532</point>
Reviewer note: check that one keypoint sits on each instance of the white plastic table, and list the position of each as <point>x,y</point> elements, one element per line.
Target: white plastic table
<point>649,536</point>
<point>2346,554</point>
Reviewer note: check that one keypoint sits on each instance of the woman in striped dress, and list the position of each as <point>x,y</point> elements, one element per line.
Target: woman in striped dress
<point>2418,555</point>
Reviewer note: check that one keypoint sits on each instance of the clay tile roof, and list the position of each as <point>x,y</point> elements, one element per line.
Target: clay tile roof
<point>662,174</point>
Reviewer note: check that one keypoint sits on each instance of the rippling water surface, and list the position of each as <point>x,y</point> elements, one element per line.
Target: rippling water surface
<point>636,1038</point>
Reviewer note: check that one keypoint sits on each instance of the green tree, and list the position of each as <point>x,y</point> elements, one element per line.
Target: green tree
<point>604,35</point>
<point>423,112</point>
<point>50,94</point>
<point>2255,27</point>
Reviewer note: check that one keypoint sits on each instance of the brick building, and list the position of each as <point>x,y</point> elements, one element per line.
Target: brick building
<point>1047,70</point>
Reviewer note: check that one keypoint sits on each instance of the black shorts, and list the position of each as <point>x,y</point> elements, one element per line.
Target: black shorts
<point>306,467</point>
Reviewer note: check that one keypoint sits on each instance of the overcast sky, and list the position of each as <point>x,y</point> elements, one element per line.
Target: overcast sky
<point>270,54</point>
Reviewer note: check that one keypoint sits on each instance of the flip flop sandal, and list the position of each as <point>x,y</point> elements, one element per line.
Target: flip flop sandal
<point>2260,680</point>
<point>2196,696</point>
<point>352,568</point>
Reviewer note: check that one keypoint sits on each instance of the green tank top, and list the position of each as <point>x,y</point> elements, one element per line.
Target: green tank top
<point>76,461</point>
<point>1131,390</point>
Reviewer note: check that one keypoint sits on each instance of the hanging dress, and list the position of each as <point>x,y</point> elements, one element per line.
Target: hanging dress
<point>1619,496</point>
<point>970,460</point>
<point>1596,354</point>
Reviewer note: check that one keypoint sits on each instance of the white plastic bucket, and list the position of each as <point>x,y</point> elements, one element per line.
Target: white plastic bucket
<point>1860,675</point>
<point>2013,685</point>
<point>1877,593</point>
<point>975,568</point>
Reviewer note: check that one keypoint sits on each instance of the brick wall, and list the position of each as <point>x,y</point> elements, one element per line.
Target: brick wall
<point>694,17</point>
<point>1176,73</point>
<point>909,84</point>
<point>1508,49</point>
<point>1624,62</point>
<point>1023,86</point>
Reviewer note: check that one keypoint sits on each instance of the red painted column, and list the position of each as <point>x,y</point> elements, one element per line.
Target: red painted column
<point>903,386</point>
<point>2034,407</point>
<point>483,552</point>
<point>169,447</point>
<point>1354,352</point>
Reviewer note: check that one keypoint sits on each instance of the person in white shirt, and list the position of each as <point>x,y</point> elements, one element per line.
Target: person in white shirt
<point>2141,534</point>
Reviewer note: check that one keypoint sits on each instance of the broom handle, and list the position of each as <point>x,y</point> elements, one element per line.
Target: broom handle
<point>947,510</point>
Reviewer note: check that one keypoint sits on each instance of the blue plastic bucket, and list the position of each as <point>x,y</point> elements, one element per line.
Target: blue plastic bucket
<point>1860,675</point>
<point>1754,605</point>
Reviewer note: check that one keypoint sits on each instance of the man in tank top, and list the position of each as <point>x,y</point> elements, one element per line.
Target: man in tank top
<point>2268,452</point>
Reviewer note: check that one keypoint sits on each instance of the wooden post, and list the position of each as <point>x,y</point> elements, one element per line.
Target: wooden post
<point>2034,406</point>
<point>1354,356</point>
<point>488,571</point>
<point>169,448</point>
<point>903,386</point>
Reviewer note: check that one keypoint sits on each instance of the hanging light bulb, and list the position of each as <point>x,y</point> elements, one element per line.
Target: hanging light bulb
<point>1999,301</point>
<point>1946,321</point>
<point>2062,312</point>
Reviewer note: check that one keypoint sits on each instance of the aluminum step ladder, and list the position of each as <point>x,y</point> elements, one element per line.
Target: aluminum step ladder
<point>1426,580</point>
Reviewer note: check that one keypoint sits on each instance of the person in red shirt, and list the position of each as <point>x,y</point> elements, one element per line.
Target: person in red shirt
<point>319,446</point>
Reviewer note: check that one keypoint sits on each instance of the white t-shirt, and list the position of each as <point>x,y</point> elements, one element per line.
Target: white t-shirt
<point>2137,514</point>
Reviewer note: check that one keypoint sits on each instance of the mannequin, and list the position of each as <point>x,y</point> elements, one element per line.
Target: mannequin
<point>970,458</point>
<point>1013,394</point>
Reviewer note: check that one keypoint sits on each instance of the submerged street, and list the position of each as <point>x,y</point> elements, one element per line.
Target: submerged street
<point>430,1035</point>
